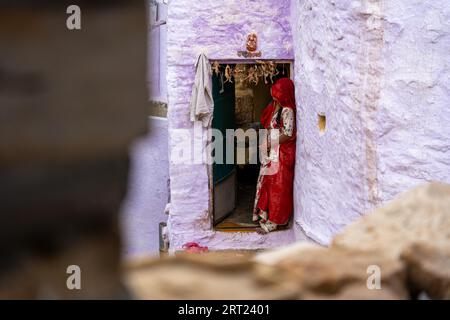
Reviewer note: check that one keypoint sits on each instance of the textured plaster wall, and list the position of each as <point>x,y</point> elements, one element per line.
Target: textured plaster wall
<point>413,120</point>
<point>331,171</point>
<point>217,28</point>
<point>148,190</point>
<point>379,71</point>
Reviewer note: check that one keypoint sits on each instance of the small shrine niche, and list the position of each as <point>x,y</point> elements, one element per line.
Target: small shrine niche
<point>322,123</point>
<point>251,46</point>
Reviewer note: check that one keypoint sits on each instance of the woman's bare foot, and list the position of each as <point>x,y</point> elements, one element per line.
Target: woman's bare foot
<point>261,231</point>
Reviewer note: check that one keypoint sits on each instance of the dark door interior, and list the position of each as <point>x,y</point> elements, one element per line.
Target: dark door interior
<point>224,175</point>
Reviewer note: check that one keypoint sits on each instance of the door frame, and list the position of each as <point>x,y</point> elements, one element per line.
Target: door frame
<point>210,166</point>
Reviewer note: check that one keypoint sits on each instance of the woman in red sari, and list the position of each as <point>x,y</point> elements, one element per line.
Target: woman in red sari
<point>274,194</point>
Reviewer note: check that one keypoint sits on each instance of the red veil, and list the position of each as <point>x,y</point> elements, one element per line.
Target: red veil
<point>275,196</point>
<point>283,91</point>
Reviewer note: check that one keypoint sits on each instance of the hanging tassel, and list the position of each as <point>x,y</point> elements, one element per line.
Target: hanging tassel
<point>228,74</point>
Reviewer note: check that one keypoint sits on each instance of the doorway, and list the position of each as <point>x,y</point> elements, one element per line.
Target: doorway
<point>238,103</point>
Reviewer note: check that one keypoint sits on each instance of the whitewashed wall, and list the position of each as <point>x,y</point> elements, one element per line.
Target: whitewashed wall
<point>148,192</point>
<point>331,166</point>
<point>379,71</point>
<point>413,120</point>
<point>157,52</point>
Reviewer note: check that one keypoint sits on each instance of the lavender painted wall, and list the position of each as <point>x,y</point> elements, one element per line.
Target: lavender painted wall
<point>413,120</point>
<point>379,71</point>
<point>218,29</point>
<point>147,196</point>
<point>157,52</point>
<point>331,171</point>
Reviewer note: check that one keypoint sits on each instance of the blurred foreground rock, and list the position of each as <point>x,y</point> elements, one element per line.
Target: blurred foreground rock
<point>71,103</point>
<point>213,275</point>
<point>340,274</point>
<point>429,270</point>
<point>421,215</point>
<point>414,227</point>
<point>395,239</point>
<point>35,272</point>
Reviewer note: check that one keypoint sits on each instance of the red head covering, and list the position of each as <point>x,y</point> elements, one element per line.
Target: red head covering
<point>282,91</point>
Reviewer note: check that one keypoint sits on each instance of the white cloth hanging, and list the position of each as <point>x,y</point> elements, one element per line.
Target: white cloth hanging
<point>201,105</point>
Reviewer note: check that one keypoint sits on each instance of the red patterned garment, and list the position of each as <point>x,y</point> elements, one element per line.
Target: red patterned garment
<point>274,195</point>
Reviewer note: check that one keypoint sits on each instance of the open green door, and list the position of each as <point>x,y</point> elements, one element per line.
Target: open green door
<point>224,175</point>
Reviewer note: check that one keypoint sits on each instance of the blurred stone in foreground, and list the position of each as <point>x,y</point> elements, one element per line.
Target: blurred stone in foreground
<point>421,215</point>
<point>36,274</point>
<point>213,275</point>
<point>307,272</point>
<point>414,227</point>
<point>71,103</point>
<point>429,270</point>
<point>408,266</point>
<point>339,274</point>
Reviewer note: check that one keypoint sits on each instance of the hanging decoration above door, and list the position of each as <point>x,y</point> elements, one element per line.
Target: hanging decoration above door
<point>264,71</point>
